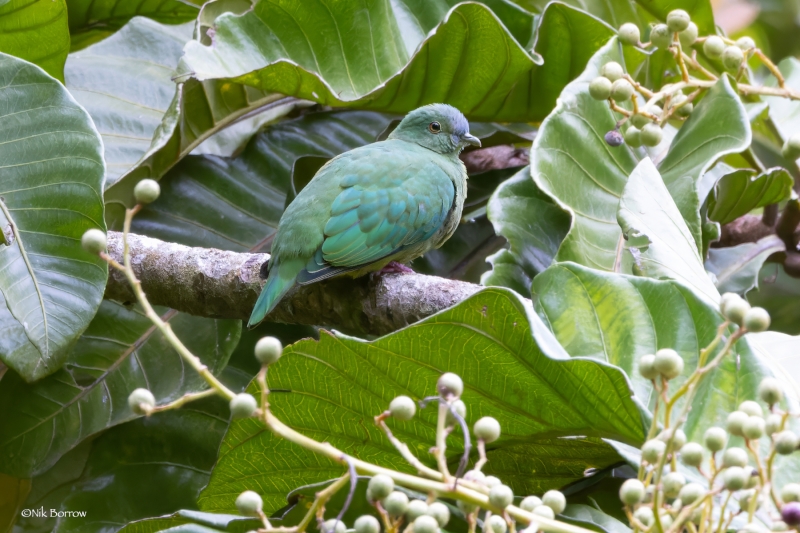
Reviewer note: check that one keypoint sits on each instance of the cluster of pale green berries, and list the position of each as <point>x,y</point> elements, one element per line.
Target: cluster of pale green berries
<point>243,405</point>
<point>614,84</point>
<point>735,474</point>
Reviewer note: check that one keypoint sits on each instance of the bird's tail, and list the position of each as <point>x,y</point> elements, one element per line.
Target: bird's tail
<point>281,278</point>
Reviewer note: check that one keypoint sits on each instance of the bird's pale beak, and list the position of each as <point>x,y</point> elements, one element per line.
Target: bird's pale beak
<point>471,139</point>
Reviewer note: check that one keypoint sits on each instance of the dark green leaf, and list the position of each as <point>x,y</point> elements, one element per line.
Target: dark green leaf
<point>13,492</point>
<point>533,225</point>
<point>658,242</point>
<point>119,352</point>
<point>50,194</point>
<point>740,192</point>
<point>736,268</point>
<point>93,20</point>
<point>502,351</point>
<point>289,51</point>
<point>779,294</point>
<point>36,31</point>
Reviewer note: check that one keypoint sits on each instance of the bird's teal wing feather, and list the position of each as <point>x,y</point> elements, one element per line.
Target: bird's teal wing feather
<point>386,204</point>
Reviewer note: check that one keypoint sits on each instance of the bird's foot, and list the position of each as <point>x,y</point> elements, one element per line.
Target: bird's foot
<point>395,268</point>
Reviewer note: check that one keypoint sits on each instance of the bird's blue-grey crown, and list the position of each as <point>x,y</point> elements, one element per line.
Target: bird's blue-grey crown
<point>438,127</point>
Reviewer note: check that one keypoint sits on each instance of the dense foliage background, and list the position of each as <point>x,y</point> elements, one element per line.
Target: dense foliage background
<point>234,106</point>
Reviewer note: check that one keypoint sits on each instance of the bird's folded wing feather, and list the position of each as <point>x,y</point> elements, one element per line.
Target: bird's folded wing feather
<point>385,205</point>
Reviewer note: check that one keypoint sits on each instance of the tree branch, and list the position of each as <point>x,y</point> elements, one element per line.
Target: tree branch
<point>219,284</point>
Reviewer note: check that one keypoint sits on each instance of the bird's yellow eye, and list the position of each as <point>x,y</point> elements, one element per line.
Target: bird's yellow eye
<point>435,127</point>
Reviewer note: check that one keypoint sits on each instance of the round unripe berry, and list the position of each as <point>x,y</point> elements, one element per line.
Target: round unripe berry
<point>744,498</point>
<point>141,401</point>
<point>713,47</point>
<point>425,524</point>
<point>790,513</point>
<point>416,508</point>
<point>600,88</point>
<point>660,36</point>
<point>779,525</point>
<point>439,512</point>
<point>678,20</point>
<point>243,405</point>
<point>629,33</point>
<point>770,391</point>
<point>692,454</point>
<point>249,503</point>
<point>333,525</point>
<point>647,367</point>
<point>645,515</point>
<point>774,423</point>
<point>652,450</point>
<point>380,486</point>
<point>732,58</point>
<point>668,363</point>
<point>735,423</point>
<point>403,408</point>
<point>790,492</point>
<point>555,500</point>
<point>545,511</point>
<point>752,477</point>
<point>677,441</point>
<point>621,90</point>
<point>449,385</point>
<point>612,70</point>
<point>501,496</point>
<point>673,483</point>
<point>94,241</point>
<point>666,519</point>
<point>396,503</point>
<point>691,492</point>
<point>633,138</point>
<point>756,320</point>
<point>496,524</point>
<point>614,138</point>
<point>529,503</point>
<point>631,492</point>
<point>715,439</point>
<point>688,36</point>
<point>791,148</point>
<point>651,134</point>
<point>734,478</point>
<point>460,408</point>
<point>491,481</point>
<point>753,428</point>
<point>268,350</point>
<point>746,43</point>
<point>367,524</point>
<point>639,121</point>
<point>751,408</point>
<point>146,191</point>
<point>487,429</point>
<point>475,475</point>
<point>786,442</point>
<point>734,309</point>
<point>734,457</point>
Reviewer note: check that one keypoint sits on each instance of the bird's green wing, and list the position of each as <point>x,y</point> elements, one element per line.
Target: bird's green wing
<point>389,201</point>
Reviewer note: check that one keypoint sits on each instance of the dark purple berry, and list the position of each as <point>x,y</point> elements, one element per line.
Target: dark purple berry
<point>614,138</point>
<point>791,513</point>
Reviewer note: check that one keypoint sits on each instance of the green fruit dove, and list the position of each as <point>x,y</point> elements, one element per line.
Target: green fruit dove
<point>382,204</point>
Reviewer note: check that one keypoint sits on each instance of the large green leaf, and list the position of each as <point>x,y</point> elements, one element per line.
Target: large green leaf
<point>119,352</point>
<point>93,20</point>
<point>36,31</point>
<point>658,242</point>
<point>778,293</point>
<point>125,83</point>
<point>736,268</point>
<point>587,178</point>
<point>534,227</point>
<point>13,492</point>
<point>743,190</point>
<point>284,47</point>
<point>617,319</point>
<point>174,451</point>
<point>235,204</point>
<point>512,367</point>
<point>51,175</point>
